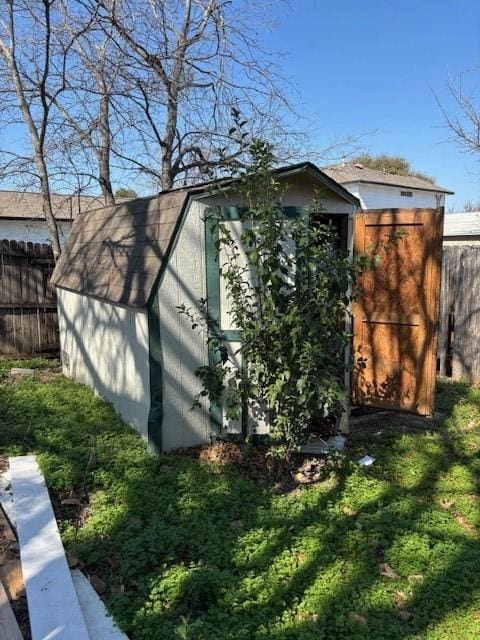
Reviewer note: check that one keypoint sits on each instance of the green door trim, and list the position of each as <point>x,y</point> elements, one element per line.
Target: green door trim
<point>215,215</point>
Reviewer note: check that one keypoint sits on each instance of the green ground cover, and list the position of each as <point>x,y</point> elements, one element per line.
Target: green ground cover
<point>191,550</point>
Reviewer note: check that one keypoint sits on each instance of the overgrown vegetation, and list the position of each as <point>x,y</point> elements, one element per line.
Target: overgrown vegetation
<point>286,281</point>
<point>191,549</point>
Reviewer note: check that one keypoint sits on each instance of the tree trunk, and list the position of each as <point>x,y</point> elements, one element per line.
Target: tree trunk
<point>106,144</point>
<point>47,207</point>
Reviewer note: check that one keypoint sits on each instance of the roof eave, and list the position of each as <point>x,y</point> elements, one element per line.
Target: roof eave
<point>433,189</point>
<point>284,172</point>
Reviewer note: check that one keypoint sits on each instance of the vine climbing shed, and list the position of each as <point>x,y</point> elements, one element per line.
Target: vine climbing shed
<point>127,268</point>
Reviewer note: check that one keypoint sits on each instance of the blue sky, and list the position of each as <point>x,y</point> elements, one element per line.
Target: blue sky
<point>368,67</point>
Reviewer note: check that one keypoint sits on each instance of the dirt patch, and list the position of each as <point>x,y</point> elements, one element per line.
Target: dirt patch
<point>255,463</point>
<point>371,423</point>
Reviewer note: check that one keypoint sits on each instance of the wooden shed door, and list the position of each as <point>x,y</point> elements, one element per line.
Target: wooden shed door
<point>395,317</point>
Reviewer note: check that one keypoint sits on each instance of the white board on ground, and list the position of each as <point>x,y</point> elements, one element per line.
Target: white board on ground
<point>53,606</point>
<point>99,624</point>
<point>9,629</point>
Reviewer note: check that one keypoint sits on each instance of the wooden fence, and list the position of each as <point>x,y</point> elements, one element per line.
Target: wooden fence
<point>28,306</point>
<point>459,331</point>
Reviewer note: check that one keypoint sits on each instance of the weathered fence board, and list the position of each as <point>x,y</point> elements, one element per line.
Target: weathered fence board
<point>459,334</point>
<point>28,306</point>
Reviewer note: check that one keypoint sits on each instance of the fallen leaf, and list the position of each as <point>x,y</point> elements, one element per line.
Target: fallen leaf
<point>400,597</point>
<point>315,617</point>
<point>417,577</point>
<point>387,571</point>
<point>237,524</point>
<point>446,503</point>
<point>462,521</point>
<point>469,427</point>
<point>358,618</point>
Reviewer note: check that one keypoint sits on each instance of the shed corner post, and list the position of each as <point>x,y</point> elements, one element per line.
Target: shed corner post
<point>155,414</point>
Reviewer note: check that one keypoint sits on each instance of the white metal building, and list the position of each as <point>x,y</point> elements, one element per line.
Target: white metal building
<point>462,228</point>
<point>381,190</point>
<point>123,273</point>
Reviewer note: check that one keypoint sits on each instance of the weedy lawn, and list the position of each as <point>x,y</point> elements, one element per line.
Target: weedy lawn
<point>189,549</point>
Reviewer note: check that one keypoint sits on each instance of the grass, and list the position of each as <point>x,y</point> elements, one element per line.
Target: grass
<point>191,551</point>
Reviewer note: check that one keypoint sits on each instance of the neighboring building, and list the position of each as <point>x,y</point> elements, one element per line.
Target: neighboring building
<point>120,279</point>
<point>22,219</point>
<point>380,190</point>
<point>462,228</point>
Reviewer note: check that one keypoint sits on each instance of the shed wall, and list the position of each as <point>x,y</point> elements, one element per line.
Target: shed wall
<point>105,346</point>
<point>183,349</point>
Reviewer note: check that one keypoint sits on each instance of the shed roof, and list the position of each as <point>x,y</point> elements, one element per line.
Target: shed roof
<point>116,253</point>
<point>462,224</point>
<point>349,172</point>
<point>28,205</point>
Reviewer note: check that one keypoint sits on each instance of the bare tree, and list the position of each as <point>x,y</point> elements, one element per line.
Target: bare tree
<point>26,71</point>
<point>463,116</point>
<point>190,64</point>
<point>85,106</point>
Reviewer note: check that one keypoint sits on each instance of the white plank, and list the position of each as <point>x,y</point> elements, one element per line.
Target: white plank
<point>53,606</point>
<point>9,629</point>
<point>100,624</point>
<point>6,497</point>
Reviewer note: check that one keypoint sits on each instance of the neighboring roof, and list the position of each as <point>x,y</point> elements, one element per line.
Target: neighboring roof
<point>28,205</point>
<point>462,224</point>
<point>116,253</point>
<point>349,172</point>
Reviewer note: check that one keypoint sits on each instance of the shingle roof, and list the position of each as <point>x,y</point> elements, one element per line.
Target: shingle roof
<point>349,172</point>
<point>19,204</point>
<point>462,224</point>
<point>116,252</point>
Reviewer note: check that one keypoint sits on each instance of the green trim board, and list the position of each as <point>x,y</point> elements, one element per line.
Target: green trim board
<point>155,414</point>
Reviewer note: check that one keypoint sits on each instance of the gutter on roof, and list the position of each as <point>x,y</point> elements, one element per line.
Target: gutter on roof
<point>406,186</point>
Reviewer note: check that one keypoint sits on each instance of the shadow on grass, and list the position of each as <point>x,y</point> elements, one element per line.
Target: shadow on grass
<point>175,537</point>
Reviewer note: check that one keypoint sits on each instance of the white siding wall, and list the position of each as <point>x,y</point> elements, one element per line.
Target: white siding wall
<point>106,347</point>
<point>374,196</point>
<point>183,349</point>
<point>31,231</point>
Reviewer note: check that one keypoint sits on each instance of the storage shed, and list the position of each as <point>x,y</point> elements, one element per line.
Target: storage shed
<point>123,273</point>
